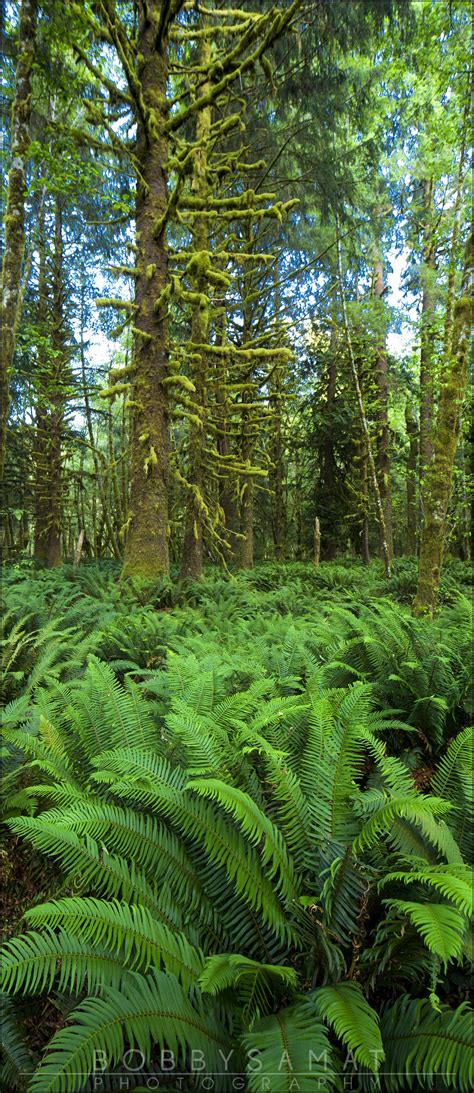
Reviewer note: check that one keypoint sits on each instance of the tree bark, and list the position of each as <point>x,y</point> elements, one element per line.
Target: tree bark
<point>439,477</point>
<point>362,416</point>
<point>427,334</point>
<point>40,455</point>
<point>193,542</point>
<point>327,477</point>
<point>277,479</point>
<point>364,542</point>
<point>247,500</point>
<point>147,549</point>
<point>411,480</point>
<point>15,210</point>
<point>317,541</point>
<point>59,359</point>
<point>383,431</point>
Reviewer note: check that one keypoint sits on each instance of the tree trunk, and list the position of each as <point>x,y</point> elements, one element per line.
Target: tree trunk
<point>363,419</point>
<point>193,543</point>
<point>383,432</point>
<point>227,493</point>
<point>327,478</point>
<point>56,418</point>
<point>411,480</point>
<point>364,539</point>
<point>438,483</point>
<point>427,335</point>
<point>15,210</point>
<point>317,541</point>
<point>146,550</point>
<point>40,444</point>
<point>277,479</point>
<point>247,501</point>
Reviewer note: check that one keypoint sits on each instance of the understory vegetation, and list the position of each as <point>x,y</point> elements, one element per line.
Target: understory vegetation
<point>239,830</point>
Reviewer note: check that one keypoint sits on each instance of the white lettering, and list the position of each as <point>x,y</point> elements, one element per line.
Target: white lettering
<point>100,1060</point>
<point>285,1061</point>
<point>167,1059</point>
<point>226,1058</point>
<point>129,1057</point>
<point>254,1057</point>
<point>313,1058</point>
<point>197,1057</point>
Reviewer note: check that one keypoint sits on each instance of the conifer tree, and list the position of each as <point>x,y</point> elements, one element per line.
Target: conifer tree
<point>439,476</point>
<point>15,209</point>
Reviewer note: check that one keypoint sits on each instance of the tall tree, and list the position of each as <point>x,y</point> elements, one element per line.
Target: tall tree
<point>381,380</point>
<point>15,210</point>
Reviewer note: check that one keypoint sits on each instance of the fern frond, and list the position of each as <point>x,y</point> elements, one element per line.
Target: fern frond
<point>344,1007</point>
<point>257,827</point>
<point>33,962</point>
<point>129,931</point>
<point>421,1042</point>
<point>291,1046</point>
<point>454,882</point>
<point>148,1010</point>
<point>441,927</point>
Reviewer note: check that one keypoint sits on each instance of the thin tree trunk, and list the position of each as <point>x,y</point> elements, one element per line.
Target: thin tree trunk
<point>317,541</point>
<point>247,500</point>
<point>40,444</point>
<point>193,542</point>
<point>449,315</point>
<point>439,478</point>
<point>383,431</point>
<point>327,477</point>
<point>427,335</point>
<point>147,549</point>
<point>57,395</point>
<point>364,542</point>
<point>226,490</point>
<point>278,470</point>
<point>411,480</point>
<point>15,210</point>
<point>363,419</point>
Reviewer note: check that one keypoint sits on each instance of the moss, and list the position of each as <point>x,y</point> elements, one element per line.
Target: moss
<point>150,271</point>
<point>112,392</point>
<point>119,305</point>
<point>150,461</point>
<point>180,381</point>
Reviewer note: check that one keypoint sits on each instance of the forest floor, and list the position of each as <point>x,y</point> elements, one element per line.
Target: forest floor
<point>204,644</point>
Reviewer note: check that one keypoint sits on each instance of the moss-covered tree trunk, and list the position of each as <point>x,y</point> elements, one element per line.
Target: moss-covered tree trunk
<point>383,431</point>
<point>248,488</point>
<point>227,492</point>
<point>411,480</point>
<point>277,449</point>
<point>439,477</point>
<point>58,394</point>
<point>40,454</point>
<point>15,210</point>
<point>193,542</point>
<point>327,476</point>
<point>364,479</point>
<point>427,335</point>
<point>146,548</point>
<point>51,394</point>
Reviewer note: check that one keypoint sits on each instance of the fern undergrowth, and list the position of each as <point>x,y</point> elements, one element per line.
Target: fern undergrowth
<point>256,796</point>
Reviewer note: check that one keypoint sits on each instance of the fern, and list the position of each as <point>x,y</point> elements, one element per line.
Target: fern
<point>345,1009</point>
<point>288,1049</point>
<point>421,1042</point>
<point>246,861</point>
